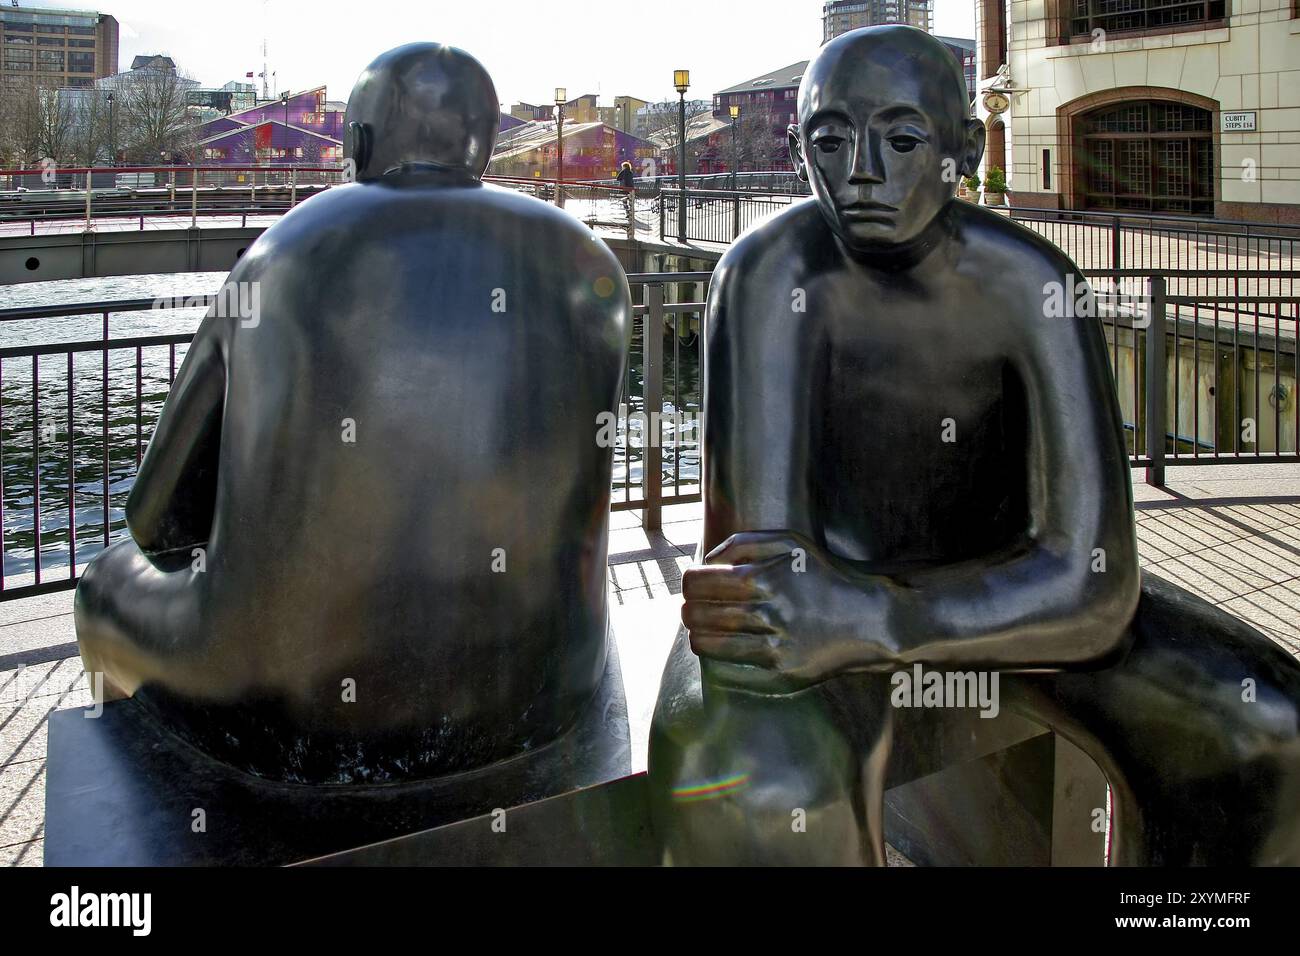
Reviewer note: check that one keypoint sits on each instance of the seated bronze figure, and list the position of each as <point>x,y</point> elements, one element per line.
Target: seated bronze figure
<point>368,538</point>
<point>908,461</point>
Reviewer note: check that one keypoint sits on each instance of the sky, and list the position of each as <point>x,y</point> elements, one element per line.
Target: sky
<point>608,48</point>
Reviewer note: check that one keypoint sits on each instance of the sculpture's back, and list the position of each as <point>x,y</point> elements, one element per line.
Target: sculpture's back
<point>403,543</point>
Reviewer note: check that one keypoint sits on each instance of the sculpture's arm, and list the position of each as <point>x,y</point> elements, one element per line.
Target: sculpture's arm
<point>172,501</point>
<point>756,434</point>
<point>1068,592</point>
<point>804,616</point>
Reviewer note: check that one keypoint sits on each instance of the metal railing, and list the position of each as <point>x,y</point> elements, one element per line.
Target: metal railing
<point>1106,240</point>
<point>76,416</point>
<point>717,215</point>
<point>1093,240</point>
<point>99,195</point>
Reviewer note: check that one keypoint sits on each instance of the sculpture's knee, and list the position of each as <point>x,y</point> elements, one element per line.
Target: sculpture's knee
<point>754,780</point>
<point>130,616</point>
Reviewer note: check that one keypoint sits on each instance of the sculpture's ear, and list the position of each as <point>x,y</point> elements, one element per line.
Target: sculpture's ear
<point>796,152</point>
<point>973,148</point>
<point>358,145</point>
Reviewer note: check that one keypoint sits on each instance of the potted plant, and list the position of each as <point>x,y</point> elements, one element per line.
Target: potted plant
<point>970,188</point>
<point>995,187</point>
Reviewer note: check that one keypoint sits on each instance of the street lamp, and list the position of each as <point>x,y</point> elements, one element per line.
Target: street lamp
<point>284,98</point>
<point>112,132</point>
<point>682,81</point>
<point>561,95</point>
<point>735,161</point>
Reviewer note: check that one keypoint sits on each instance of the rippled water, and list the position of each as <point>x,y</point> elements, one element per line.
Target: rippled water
<point>37,419</point>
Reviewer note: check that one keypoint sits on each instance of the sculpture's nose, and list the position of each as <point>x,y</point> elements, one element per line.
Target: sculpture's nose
<point>867,168</point>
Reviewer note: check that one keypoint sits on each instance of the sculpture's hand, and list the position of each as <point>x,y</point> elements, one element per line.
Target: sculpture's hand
<point>778,602</point>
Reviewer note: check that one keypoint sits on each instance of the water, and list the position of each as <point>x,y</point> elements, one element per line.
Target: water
<point>129,428</point>
<point>26,425</point>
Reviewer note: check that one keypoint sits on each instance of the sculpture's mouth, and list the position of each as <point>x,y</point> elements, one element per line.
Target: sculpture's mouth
<point>869,212</point>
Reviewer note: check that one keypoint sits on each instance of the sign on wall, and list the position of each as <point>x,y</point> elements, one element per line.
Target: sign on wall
<point>1237,122</point>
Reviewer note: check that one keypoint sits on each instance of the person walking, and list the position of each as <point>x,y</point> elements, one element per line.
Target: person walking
<point>627,180</point>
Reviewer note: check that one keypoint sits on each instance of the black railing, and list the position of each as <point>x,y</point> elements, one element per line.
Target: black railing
<point>717,215</point>
<point>76,416</point>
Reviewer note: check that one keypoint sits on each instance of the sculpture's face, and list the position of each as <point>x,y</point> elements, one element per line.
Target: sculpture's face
<point>883,136</point>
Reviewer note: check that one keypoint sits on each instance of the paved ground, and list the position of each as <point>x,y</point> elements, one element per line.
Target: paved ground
<point>1229,533</point>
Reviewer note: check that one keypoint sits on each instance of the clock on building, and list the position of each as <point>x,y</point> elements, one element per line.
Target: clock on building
<point>995,101</point>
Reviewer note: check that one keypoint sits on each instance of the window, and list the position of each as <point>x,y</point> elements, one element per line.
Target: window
<point>49,41</point>
<point>81,63</point>
<point>1141,16</point>
<point>214,152</point>
<point>50,60</point>
<point>82,43</point>
<point>18,58</point>
<point>1147,156</point>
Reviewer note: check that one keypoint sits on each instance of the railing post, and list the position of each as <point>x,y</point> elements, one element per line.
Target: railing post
<point>293,187</point>
<point>663,199</point>
<point>194,198</point>
<point>88,197</point>
<point>1155,398</point>
<point>1115,264</point>
<point>652,339</point>
<point>735,218</point>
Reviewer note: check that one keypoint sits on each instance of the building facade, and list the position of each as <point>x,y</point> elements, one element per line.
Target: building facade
<point>302,128</point>
<point>768,105</point>
<point>56,48</point>
<point>592,151</point>
<point>1170,108</point>
<point>841,16</point>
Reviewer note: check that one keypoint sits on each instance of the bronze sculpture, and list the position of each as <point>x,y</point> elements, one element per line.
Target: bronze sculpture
<point>368,538</point>
<point>907,461</point>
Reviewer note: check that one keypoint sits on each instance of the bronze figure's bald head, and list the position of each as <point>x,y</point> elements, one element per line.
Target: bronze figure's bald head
<point>422,106</point>
<point>884,133</point>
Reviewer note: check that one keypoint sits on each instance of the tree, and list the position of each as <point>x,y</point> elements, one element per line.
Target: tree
<point>89,136</point>
<point>153,121</point>
<point>760,139</point>
<point>662,120</point>
<point>35,123</point>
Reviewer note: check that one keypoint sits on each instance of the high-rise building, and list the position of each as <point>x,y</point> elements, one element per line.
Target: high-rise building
<point>841,16</point>
<point>57,48</point>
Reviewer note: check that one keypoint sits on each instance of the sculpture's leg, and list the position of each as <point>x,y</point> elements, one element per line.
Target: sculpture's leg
<point>746,779</point>
<point>1197,730</point>
<point>133,616</point>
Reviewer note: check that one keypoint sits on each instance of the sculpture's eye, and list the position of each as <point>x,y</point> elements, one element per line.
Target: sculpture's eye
<point>903,143</point>
<point>829,144</point>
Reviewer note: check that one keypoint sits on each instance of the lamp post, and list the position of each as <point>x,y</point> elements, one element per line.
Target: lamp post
<point>735,155</point>
<point>561,94</point>
<point>284,98</point>
<point>682,81</point>
<point>112,132</point>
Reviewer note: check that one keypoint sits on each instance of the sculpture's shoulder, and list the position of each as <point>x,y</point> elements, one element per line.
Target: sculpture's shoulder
<point>998,247</point>
<point>772,254</point>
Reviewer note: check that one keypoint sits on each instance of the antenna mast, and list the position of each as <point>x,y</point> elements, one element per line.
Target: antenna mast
<point>266,94</point>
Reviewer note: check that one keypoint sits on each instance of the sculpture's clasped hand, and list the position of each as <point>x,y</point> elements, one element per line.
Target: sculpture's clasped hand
<point>775,601</point>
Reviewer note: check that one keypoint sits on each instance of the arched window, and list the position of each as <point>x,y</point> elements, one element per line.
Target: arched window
<point>1146,156</point>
